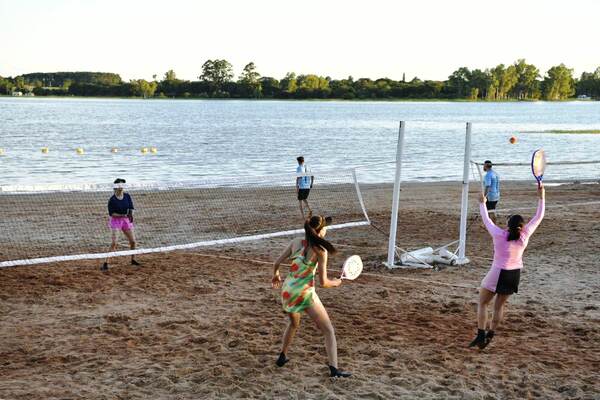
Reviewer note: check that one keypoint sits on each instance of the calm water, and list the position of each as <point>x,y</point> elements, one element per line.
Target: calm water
<point>197,139</point>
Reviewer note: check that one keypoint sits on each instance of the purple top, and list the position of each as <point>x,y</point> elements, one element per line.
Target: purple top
<point>120,206</point>
<point>509,254</point>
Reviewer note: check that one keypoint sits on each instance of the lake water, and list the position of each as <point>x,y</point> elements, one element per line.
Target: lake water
<point>200,139</point>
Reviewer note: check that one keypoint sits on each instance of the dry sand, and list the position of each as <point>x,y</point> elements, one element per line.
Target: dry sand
<point>193,325</point>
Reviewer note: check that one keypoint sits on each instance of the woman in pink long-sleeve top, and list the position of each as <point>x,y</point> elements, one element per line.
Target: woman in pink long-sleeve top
<point>503,278</point>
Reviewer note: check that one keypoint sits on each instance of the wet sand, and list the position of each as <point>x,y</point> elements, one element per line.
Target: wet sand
<point>206,324</point>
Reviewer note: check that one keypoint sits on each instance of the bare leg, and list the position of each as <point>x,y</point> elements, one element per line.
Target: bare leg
<point>131,238</point>
<point>307,207</point>
<point>113,247</point>
<point>499,310</point>
<point>485,296</point>
<point>301,210</point>
<point>318,314</point>
<point>290,331</point>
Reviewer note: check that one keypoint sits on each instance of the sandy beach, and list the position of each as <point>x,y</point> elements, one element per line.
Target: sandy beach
<point>206,324</point>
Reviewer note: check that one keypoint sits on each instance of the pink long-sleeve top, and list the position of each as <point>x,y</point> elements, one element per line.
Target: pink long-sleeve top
<point>509,254</point>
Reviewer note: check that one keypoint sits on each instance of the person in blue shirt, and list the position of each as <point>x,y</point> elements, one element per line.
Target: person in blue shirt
<point>120,211</point>
<point>491,183</point>
<point>303,186</point>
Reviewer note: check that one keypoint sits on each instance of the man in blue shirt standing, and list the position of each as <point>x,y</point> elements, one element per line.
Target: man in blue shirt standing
<point>491,183</point>
<point>303,185</point>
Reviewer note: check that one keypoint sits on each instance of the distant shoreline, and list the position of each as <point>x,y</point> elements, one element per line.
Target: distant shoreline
<point>395,100</point>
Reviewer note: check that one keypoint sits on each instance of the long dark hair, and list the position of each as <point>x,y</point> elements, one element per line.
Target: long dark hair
<point>312,227</point>
<point>515,224</point>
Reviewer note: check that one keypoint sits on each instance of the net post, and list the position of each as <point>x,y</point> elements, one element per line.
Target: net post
<point>359,194</point>
<point>464,205</point>
<point>396,197</point>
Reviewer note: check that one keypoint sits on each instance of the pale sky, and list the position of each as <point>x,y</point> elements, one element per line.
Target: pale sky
<point>374,38</point>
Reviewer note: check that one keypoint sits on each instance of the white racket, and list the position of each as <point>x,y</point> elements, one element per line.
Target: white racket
<point>538,165</point>
<point>352,268</point>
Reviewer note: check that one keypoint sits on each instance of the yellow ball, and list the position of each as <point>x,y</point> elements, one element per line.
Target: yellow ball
<point>154,150</point>
<point>1,152</point>
<point>79,150</point>
<point>114,150</point>
<point>144,150</point>
<point>45,150</point>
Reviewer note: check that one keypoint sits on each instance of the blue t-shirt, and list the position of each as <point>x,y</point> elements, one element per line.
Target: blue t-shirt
<point>116,206</point>
<point>492,182</point>
<point>303,181</point>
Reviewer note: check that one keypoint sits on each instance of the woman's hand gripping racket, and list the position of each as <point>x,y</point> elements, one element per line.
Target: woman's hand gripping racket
<point>352,268</point>
<point>538,165</point>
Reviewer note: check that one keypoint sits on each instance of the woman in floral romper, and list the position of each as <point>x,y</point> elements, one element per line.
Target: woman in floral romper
<point>298,292</point>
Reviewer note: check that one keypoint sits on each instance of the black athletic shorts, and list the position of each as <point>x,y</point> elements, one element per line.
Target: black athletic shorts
<point>508,281</point>
<point>303,194</point>
<point>491,205</point>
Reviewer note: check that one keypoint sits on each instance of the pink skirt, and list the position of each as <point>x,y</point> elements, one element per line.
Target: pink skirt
<point>120,224</point>
<point>490,280</point>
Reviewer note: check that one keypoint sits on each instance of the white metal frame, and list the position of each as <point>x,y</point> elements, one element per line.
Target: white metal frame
<point>459,259</point>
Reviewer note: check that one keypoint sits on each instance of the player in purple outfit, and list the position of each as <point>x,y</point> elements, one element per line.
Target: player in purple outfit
<point>120,210</point>
<point>503,278</point>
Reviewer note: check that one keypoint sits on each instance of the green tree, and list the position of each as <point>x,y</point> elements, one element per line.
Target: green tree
<point>458,82</point>
<point>527,85</point>
<point>6,85</point>
<point>479,83</point>
<point>20,82</point>
<point>589,84</point>
<point>170,75</point>
<point>270,87</point>
<point>143,88</point>
<point>506,78</point>
<point>249,82</point>
<point>559,83</point>
<point>216,73</point>
<point>312,86</point>
<point>171,86</point>
<point>289,84</point>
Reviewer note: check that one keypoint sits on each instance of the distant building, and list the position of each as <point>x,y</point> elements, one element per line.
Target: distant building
<point>29,94</point>
<point>17,93</point>
<point>583,97</point>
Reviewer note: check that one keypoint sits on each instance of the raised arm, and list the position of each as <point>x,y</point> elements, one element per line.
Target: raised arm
<point>539,214</point>
<point>489,225</point>
<point>287,252</point>
<point>324,281</point>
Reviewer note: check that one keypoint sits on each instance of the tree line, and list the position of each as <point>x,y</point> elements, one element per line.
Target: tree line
<point>518,81</point>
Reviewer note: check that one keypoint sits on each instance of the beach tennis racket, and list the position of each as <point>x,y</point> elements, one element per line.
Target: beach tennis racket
<point>352,268</point>
<point>538,165</point>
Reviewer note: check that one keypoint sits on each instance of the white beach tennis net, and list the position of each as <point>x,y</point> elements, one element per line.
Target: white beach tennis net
<point>70,222</point>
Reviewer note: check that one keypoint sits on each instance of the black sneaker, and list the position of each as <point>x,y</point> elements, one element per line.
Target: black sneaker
<point>338,373</point>
<point>488,338</point>
<point>104,267</point>
<point>282,360</point>
<point>133,262</point>
<point>479,340</point>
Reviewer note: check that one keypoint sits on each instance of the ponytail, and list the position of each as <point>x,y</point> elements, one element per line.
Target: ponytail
<point>515,224</point>
<point>312,227</point>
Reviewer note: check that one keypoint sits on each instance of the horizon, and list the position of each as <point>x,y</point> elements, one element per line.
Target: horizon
<point>148,38</point>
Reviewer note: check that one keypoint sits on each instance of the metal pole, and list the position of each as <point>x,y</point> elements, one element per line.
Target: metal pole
<point>396,197</point>
<point>464,205</point>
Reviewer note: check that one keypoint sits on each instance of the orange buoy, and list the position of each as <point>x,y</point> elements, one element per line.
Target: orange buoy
<point>513,140</point>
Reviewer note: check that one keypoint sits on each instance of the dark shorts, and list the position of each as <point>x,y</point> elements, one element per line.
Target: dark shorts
<point>508,281</point>
<point>303,194</point>
<point>491,205</point>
